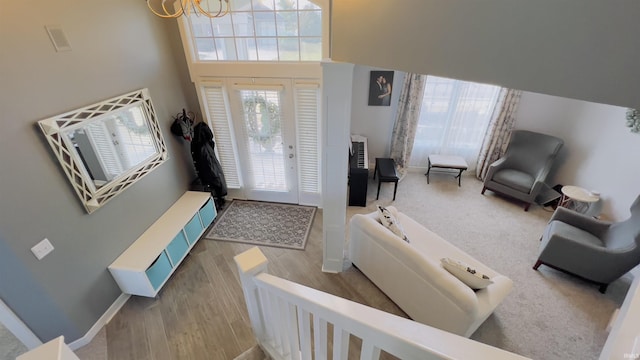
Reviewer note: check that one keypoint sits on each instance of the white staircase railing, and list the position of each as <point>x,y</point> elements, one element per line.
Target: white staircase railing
<point>291,321</point>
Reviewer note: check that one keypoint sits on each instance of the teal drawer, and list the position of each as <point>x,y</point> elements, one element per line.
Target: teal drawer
<point>193,229</point>
<point>159,271</point>
<point>177,248</point>
<point>207,213</point>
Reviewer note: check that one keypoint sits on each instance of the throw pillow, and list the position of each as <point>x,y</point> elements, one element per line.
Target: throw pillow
<point>390,222</point>
<point>466,274</point>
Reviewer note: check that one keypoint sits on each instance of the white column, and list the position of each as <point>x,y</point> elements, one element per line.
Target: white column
<point>337,85</point>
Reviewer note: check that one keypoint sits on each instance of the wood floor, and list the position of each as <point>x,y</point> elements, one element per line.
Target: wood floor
<point>201,314</point>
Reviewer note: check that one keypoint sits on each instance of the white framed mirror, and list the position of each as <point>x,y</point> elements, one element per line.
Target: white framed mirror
<point>106,147</point>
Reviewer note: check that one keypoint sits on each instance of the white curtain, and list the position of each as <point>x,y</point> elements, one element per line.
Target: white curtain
<point>454,119</point>
<point>404,129</point>
<point>498,133</point>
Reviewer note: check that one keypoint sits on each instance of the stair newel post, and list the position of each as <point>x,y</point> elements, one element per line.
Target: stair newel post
<point>250,264</point>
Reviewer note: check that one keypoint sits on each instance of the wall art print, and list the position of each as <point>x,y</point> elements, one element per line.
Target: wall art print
<point>380,88</point>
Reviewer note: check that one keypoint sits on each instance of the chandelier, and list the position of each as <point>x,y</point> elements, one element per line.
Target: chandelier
<point>188,6</point>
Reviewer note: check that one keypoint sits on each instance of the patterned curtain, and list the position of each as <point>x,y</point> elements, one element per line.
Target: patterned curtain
<point>498,133</point>
<point>404,129</point>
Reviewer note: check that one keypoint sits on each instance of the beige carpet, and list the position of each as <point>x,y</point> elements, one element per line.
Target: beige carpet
<point>548,315</point>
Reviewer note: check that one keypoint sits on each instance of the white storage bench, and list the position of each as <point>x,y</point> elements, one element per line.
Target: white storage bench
<point>146,265</point>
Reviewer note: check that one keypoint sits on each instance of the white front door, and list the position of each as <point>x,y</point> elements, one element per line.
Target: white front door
<point>265,132</point>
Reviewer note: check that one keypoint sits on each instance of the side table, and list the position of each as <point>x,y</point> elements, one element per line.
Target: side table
<point>572,194</point>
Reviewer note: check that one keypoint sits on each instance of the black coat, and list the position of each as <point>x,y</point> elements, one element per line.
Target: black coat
<point>204,158</point>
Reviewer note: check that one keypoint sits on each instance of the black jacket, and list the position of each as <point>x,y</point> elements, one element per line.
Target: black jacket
<point>204,158</point>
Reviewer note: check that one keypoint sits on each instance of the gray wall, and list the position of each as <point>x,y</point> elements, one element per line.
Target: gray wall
<point>373,122</point>
<point>118,47</point>
<point>581,49</point>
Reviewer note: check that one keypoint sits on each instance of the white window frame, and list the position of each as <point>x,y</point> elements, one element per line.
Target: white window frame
<point>191,51</point>
<point>203,72</point>
<point>233,18</point>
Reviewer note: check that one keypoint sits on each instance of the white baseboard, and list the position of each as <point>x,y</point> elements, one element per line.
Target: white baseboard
<point>102,321</point>
<point>332,266</point>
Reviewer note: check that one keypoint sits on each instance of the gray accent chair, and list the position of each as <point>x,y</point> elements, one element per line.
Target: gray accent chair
<point>522,171</point>
<point>589,248</point>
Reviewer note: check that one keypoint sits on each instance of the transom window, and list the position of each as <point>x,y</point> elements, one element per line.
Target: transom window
<point>259,30</point>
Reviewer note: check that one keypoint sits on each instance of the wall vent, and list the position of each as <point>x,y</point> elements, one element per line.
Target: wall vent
<point>58,38</point>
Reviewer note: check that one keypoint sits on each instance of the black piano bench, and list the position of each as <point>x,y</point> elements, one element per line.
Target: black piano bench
<point>386,171</point>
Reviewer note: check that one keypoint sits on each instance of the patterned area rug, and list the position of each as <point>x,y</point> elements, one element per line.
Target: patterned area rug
<point>266,224</point>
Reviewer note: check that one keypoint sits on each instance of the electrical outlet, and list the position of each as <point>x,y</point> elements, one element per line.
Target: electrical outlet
<point>42,248</point>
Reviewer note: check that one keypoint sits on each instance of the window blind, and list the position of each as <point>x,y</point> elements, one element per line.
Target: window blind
<point>221,127</point>
<point>307,99</point>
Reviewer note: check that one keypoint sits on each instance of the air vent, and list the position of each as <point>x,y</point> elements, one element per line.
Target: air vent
<point>58,38</point>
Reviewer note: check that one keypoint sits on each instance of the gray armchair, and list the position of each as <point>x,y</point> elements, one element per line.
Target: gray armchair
<point>592,249</point>
<point>522,171</point>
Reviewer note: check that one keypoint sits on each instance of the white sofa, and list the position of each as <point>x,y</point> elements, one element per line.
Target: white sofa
<point>412,276</point>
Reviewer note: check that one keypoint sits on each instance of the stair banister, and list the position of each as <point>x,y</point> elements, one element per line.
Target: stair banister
<point>251,263</point>
<point>280,310</point>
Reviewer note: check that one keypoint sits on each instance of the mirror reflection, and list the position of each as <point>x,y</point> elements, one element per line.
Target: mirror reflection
<point>112,145</point>
<point>106,147</point>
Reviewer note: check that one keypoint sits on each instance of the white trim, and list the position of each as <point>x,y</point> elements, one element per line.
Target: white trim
<point>306,84</point>
<point>332,267</point>
<point>102,321</point>
<point>201,70</point>
<point>18,328</point>
<point>253,86</point>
